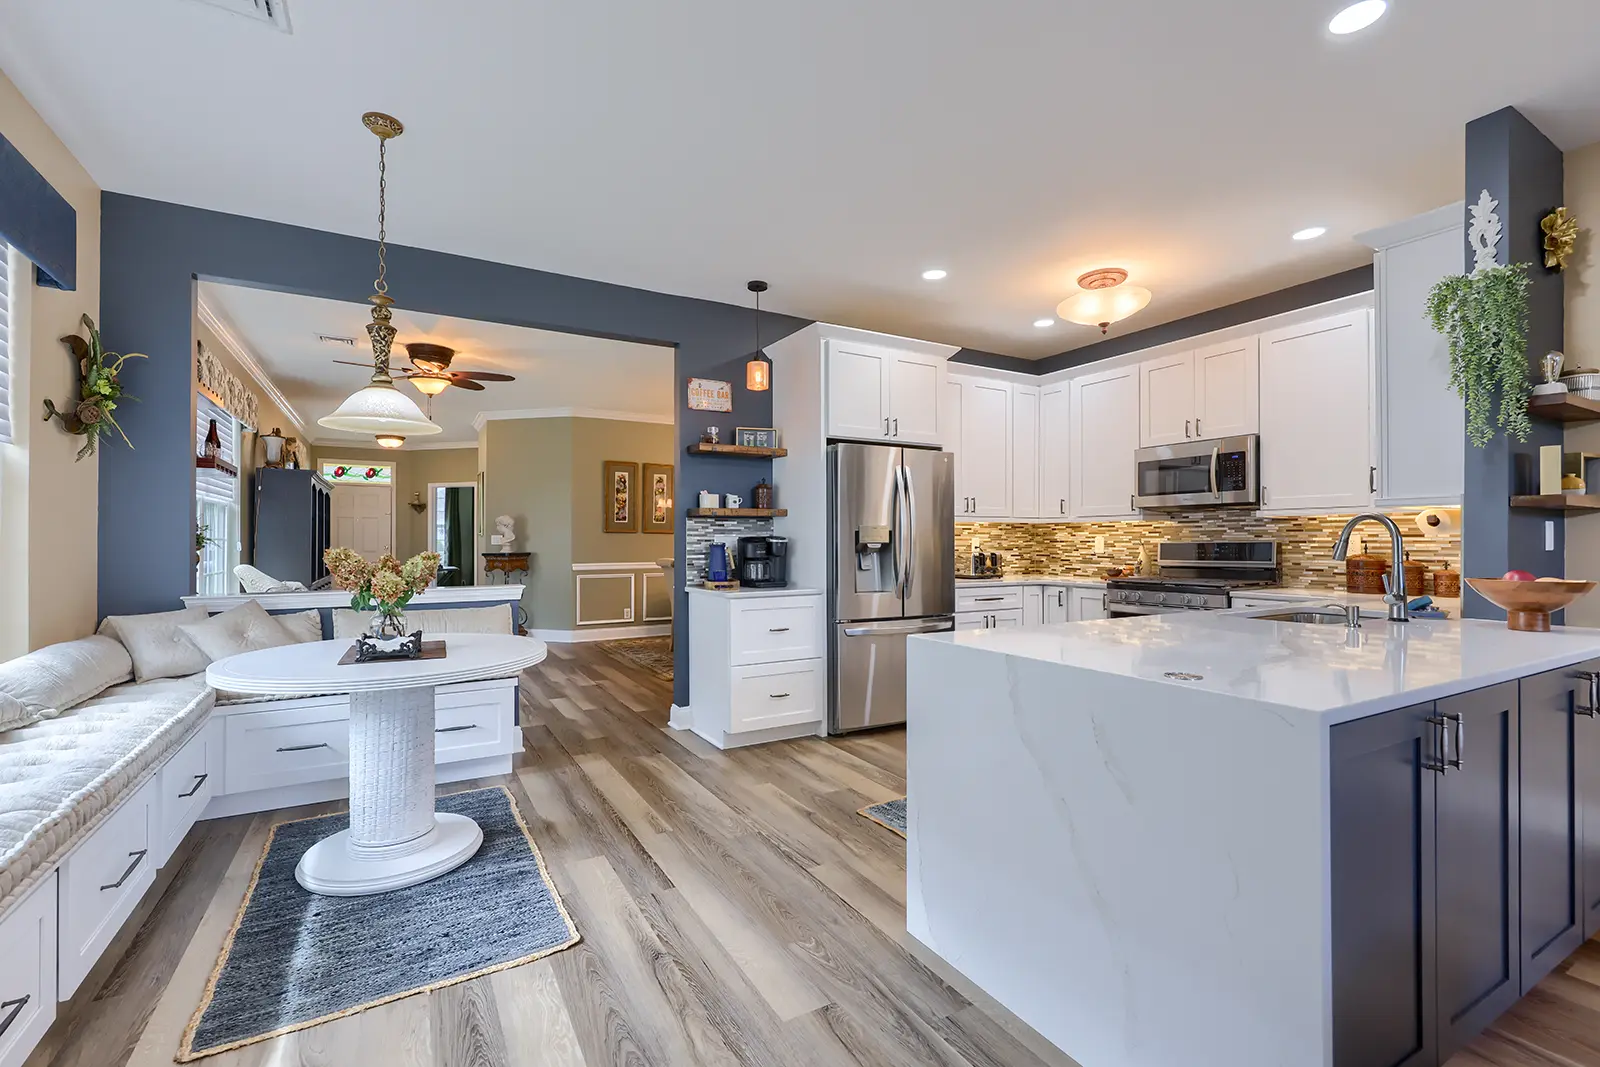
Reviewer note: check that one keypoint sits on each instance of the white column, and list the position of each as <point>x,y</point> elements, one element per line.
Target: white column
<point>391,769</point>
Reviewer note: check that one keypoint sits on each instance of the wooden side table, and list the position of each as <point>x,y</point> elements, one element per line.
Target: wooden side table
<point>512,567</point>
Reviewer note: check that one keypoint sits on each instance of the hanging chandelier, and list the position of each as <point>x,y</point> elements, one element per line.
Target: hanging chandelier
<point>758,372</point>
<point>379,408</point>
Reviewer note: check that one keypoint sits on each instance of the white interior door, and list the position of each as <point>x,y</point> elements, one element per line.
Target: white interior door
<point>363,519</point>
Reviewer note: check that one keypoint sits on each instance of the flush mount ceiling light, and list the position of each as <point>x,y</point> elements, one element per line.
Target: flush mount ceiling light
<point>1357,17</point>
<point>1044,323</point>
<point>758,372</point>
<point>935,275</point>
<point>380,409</point>
<point>1104,299</point>
<point>1310,233</point>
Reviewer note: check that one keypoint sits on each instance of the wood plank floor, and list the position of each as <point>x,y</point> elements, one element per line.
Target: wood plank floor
<point>734,910</point>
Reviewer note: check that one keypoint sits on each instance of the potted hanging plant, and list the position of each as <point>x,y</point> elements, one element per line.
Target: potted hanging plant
<point>1484,317</point>
<point>384,587</point>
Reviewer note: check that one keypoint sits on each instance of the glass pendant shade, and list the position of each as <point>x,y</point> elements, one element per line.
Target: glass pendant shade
<point>429,386</point>
<point>1102,307</point>
<point>380,409</point>
<point>390,440</point>
<point>758,374</point>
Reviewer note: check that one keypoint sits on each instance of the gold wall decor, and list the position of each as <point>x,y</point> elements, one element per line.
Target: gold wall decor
<point>656,516</point>
<point>1560,237</point>
<point>621,496</point>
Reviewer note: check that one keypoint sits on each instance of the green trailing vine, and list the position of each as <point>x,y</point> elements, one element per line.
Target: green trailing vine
<point>1484,317</point>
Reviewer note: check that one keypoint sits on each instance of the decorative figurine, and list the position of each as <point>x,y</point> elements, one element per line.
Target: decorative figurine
<point>1560,238</point>
<point>505,533</point>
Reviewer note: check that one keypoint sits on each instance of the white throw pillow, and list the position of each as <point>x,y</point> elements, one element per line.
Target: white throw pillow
<point>303,626</point>
<point>158,647</point>
<point>246,628</point>
<point>14,714</point>
<point>54,678</point>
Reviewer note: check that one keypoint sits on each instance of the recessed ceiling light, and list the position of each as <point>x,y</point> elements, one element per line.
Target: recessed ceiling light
<point>1358,16</point>
<point>934,275</point>
<point>1043,323</point>
<point>1310,233</point>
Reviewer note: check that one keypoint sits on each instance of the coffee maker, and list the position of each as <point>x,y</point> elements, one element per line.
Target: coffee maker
<point>764,562</point>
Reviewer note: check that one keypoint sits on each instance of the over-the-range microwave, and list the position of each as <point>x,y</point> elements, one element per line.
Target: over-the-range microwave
<point>1220,472</point>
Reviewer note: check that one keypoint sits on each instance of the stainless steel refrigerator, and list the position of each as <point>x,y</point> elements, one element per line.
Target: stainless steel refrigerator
<point>891,573</point>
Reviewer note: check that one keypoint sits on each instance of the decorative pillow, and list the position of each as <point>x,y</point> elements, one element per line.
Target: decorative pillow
<point>303,626</point>
<point>158,647</point>
<point>54,678</point>
<point>245,628</point>
<point>492,619</point>
<point>14,714</point>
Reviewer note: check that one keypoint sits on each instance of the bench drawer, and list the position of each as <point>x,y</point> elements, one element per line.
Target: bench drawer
<point>776,629</point>
<point>102,880</point>
<point>776,694</point>
<point>266,749</point>
<point>474,724</point>
<point>28,978</point>
<point>187,783</point>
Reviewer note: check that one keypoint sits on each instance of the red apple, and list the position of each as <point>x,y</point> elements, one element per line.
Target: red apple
<point>1517,576</point>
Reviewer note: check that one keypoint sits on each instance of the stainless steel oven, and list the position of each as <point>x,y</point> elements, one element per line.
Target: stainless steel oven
<point>1220,472</point>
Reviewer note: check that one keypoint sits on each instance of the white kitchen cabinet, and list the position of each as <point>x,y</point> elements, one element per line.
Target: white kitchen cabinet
<point>1056,605</point>
<point>1166,400</point>
<point>1227,390</point>
<point>983,454</point>
<point>1055,448</point>
<point>757,665</point>
<point>1033,605</point>
<point>914,387</point>
<point>1024,452</point>
<point>1420,419</point>
<point>1006,619</point>
<point>1083,604</point>
<point>1316,437</point>
<point>1104,433</point>
<point>880,394</point>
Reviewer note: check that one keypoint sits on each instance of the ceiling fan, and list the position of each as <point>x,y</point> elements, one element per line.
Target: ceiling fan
<point>430,370</point>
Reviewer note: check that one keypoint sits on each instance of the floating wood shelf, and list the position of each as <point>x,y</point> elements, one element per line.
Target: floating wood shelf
<point>702,449</point>
<point>1559,502</point>
<point>203,463</point>
<point>738,513</point>
<point>1565,407</point>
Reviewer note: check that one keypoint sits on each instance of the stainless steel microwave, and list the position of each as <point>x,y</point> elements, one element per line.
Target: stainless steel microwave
<point>1221,472</point>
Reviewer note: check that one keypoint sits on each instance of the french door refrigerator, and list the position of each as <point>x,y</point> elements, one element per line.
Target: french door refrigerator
<point>891,573</point>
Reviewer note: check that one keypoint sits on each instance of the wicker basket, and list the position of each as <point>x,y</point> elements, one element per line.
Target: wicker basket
<point>1416,578</point>
<point>1364,574</point>
<point>1447,582</point>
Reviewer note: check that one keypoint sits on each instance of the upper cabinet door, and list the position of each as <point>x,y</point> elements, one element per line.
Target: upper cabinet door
<point>1054,449</point>
<point>985,448</point>
<point>1024,452</point>
<point>1104,425</point>
<point>914,398</point>
<point>858,392</point>
<point>1315,427</point>
<point>1166,400</point>
<point>1227,389</point>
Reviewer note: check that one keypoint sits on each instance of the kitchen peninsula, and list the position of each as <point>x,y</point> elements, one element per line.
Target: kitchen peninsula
<point>1213,839</point>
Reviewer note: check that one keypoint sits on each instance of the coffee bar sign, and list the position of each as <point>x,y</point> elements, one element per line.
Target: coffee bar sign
<point>706,394</point>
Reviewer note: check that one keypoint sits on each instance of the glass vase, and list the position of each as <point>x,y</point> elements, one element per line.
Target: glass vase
<point>387,626</point>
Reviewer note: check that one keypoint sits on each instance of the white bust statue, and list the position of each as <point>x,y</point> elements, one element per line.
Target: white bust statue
<point>505,534</point>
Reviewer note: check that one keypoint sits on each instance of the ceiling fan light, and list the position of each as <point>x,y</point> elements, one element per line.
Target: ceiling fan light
<point>390,440</point>
<point>429,385</point>
<point>380,408</point>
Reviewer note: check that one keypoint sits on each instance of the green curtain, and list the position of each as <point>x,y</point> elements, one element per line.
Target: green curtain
<point>458,513</point>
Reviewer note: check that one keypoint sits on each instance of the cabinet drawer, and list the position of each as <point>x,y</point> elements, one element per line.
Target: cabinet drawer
<point>776,630</point>
<point>273,748</point>
<point>28,979</point>
<point>102,880</point>
<point>471,725</point>
<point>776,695</point>
<point>989,600</point>
<point>186,784</point>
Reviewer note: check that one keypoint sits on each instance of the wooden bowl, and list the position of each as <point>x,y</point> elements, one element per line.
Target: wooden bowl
<point>1528,604</point>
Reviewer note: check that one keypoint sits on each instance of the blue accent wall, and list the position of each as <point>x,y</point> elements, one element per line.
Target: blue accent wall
<point>151,255</point>
<point>1521,168</point>
<point>37,221</point>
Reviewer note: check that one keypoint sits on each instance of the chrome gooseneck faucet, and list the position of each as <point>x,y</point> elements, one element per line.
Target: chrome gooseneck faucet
<point>1395,580</point>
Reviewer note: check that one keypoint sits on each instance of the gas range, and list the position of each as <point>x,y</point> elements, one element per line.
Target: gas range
<point>1195,576</point>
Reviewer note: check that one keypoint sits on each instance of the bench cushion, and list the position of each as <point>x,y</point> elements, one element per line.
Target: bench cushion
<point>491,619</point>
<point>56,677</point>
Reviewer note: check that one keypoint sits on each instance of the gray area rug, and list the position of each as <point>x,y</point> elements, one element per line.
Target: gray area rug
<point>891,813</point>
<point>653,654</point>
<point>294,959</point>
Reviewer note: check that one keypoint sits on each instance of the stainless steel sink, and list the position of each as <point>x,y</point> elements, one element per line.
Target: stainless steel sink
<point>1310,618</point>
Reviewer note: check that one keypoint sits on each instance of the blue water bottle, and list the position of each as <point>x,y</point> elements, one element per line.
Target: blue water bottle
<point>717,562</point>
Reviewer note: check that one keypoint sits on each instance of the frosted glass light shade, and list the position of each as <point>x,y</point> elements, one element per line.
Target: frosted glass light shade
<point>1102,307</point>
<point>380,409</point>
<point>431,386</point>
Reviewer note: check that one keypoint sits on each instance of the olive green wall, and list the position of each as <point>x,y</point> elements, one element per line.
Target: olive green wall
<point>594,441</point>
<point>527,471</point>
<point>413,471</point>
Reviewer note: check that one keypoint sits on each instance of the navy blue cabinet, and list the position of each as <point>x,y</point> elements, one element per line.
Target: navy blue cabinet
<point>1552,833</point>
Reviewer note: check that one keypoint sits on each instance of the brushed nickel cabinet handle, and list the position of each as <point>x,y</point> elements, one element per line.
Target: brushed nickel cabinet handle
<point>897,427</point>
<point>303,748</point>
<point>16,1007</point>
<point>1441,740</point>
<point>199,780</point>
<point>1186,428</point>
<point>986,599</point>
<point>1197,426</point>
<point>776,696</point>
<point>456,729</point>
<point>1455,763</point>
<point>1593,678</point>
<point>138,858</point>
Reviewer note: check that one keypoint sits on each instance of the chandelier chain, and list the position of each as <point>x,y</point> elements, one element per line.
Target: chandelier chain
<point>380,284</point>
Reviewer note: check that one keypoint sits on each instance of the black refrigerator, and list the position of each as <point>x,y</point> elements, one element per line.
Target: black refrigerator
<point>293,521</point>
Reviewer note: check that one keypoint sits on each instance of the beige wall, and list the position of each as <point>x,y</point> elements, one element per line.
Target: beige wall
<point>413,472</point>
<point>49,508</point>
<point>594,441</point>
<point>1583,349</point>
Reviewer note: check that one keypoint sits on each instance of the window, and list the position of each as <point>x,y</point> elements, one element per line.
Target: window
<point>5,345</point>
<point>347,473</point>
<point>216,503</point>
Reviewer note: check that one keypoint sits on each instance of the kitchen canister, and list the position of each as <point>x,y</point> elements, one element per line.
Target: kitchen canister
<point>1446,582</point>
<point>1364,574</point>
<point>763,495</point>
<point>1416,578</point>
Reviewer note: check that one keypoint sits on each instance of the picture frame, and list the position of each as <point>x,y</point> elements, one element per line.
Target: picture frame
<point>655,511</point>
<point>755,437</point>
<point>708,394</point>
<point>619,496</point>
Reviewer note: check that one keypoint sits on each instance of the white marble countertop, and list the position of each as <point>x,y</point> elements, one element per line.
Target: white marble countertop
<point>1029,579</point>
<point>742,593</point>
<point>1339,596</point>
<point>1304,670</point>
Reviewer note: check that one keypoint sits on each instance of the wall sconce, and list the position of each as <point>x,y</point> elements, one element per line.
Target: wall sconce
<point>416,503</point>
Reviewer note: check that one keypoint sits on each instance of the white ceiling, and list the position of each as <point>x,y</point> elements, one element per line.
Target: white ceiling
<point>834,147</point>
<point>553,370</point>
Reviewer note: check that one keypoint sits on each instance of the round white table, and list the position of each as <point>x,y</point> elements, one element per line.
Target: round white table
<point>396,838</point>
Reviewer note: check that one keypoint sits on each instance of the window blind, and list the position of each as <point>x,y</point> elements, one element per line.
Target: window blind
<point>208,481</point>
<point>5,345</point>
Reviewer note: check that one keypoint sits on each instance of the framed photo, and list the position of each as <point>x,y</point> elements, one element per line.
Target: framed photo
<point>620,491</point>
<point>755,437</point>
<point>657,514</point>
<point>708,394</point>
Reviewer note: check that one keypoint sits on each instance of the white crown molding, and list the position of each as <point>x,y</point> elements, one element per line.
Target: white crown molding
<point>483,417</point>
<point>219,326</point>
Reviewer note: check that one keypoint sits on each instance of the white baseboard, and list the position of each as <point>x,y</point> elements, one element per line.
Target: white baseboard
<point>680,718</point>
<point>725,740</point>
<point>602,633</point>
<point>290,796</point>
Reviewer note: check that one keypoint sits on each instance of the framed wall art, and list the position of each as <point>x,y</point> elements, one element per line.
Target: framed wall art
<point>620,492</point>
<point>656,516</point>
<point>755,437</point>
<point>708,394</point>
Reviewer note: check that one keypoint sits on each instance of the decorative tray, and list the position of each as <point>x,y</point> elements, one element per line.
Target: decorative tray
<point>366,650</point>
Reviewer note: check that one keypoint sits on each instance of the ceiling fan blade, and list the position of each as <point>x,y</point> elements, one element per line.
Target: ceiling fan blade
<point>462,383</point>
<point>482,376</point>
<point>352,363</point>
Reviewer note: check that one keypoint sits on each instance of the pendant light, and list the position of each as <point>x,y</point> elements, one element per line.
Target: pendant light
<point>758,372</point>
<point>1103,299</point>
<point>380,409</point>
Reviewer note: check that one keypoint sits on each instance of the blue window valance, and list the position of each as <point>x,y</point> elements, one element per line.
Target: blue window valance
<point>37,221</point>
